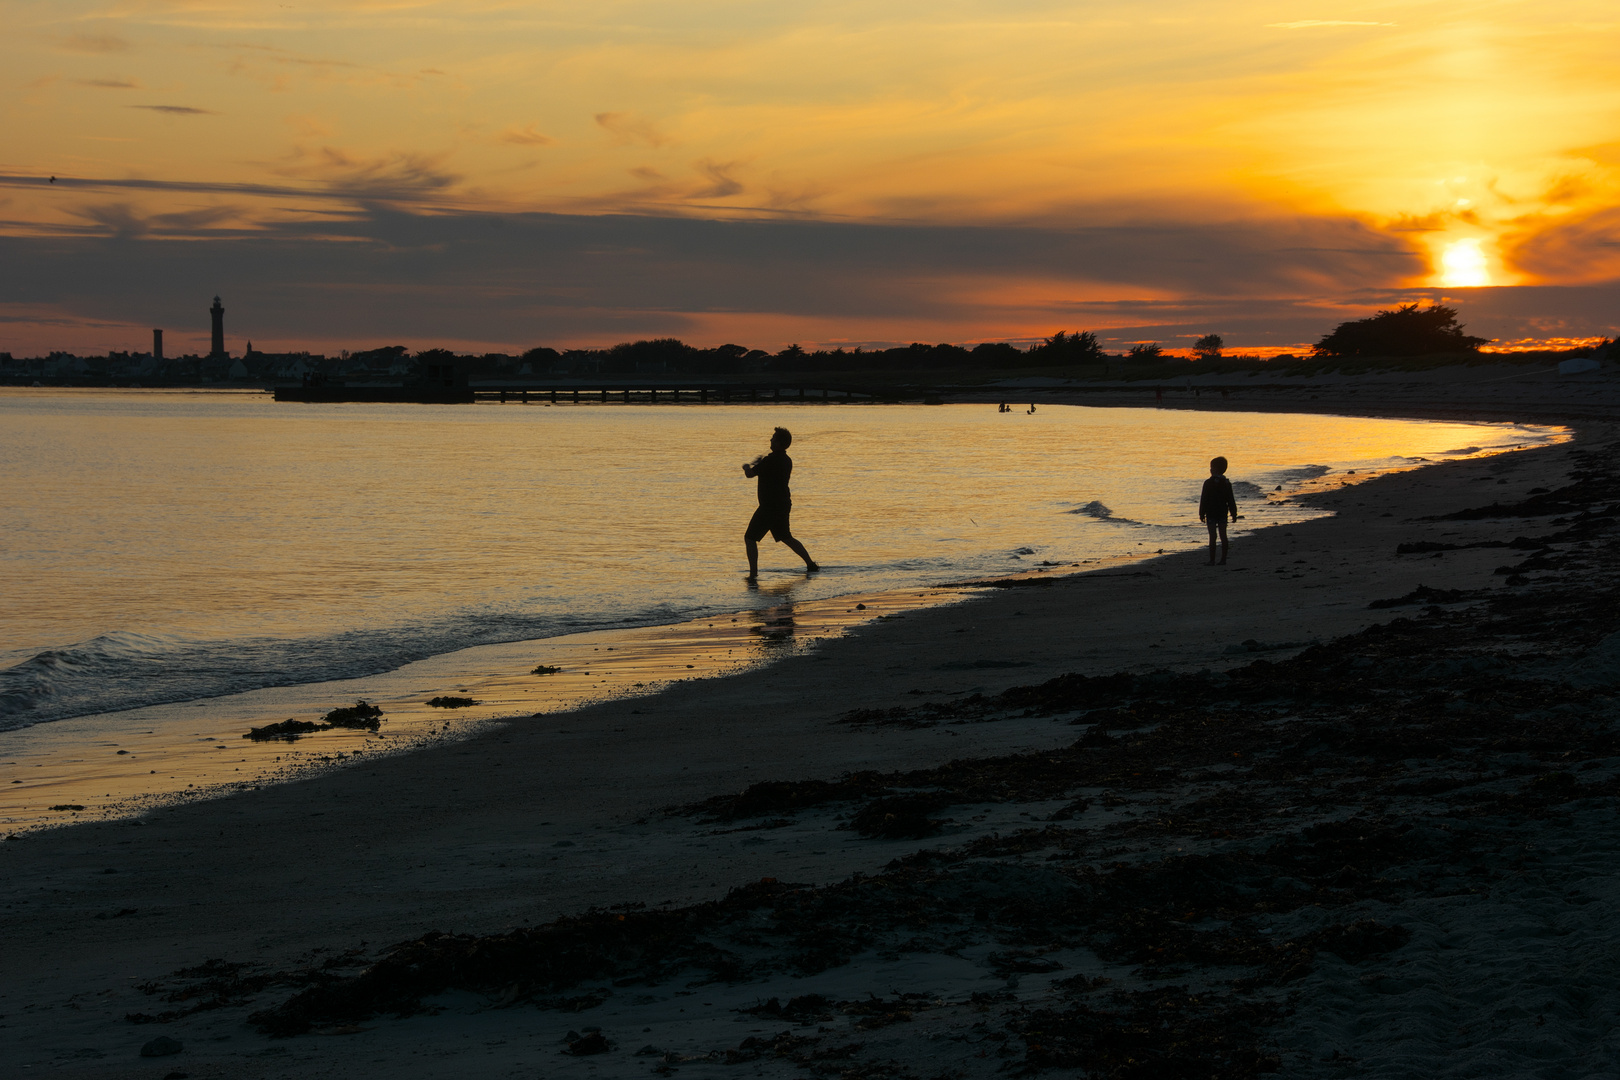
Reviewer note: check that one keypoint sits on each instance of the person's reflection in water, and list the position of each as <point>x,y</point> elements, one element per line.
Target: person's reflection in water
<point>775,625</point>
<point>775,503</point>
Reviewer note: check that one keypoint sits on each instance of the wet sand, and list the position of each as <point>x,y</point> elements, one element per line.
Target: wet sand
<point>70,771</point>
<point>533,820</point>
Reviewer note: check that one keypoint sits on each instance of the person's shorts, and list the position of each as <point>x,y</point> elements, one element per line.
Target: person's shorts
<point>1216,525</point>
<point>769,519</point>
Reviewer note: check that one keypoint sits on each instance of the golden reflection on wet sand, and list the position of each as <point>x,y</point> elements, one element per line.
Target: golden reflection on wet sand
<point>56,773</point>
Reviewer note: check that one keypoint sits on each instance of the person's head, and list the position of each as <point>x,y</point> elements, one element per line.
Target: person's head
<point>781,439</point>
<point>1217,466</point>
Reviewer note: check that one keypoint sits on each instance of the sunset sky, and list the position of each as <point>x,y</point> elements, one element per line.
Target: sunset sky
<point>493,176</point>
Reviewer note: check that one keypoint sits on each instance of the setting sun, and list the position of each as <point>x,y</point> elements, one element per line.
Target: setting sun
<point>1462,265</point>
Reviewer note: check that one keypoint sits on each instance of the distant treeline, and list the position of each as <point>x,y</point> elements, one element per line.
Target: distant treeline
<point>676,356</point>
<point>1406,336</point>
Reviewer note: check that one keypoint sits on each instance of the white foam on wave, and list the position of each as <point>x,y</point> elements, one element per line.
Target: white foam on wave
<point>1098,510</point>
<point>117,671</point>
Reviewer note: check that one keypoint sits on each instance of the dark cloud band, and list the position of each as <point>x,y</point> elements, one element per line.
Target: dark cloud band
<point>384,274</point>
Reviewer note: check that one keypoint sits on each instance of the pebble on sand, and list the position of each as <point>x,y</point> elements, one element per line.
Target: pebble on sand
<point>162,1046</point>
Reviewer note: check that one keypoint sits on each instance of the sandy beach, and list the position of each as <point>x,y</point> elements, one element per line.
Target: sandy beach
<point>1158,819</point>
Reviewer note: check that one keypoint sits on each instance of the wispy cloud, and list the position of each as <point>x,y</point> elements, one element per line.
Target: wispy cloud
<point>125,221</point>
<point>1307,24</point>
<point>111,84</point>
<point>722,185</point>
<point>93,43</point>
<point>121,220</point>
<point>527,135</point>
<point>629,128</point>
<point>389,177</point>
<point>176,110</point>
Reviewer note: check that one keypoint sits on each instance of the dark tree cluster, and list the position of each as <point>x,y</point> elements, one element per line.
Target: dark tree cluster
<point>1404,331</point>
<point>1062,349</point>
<point>674,356</point>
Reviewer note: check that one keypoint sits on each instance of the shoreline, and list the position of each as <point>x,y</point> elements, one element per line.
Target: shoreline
<point>95,771</point>
<point>306,610</point>
<point>501,679</point>
<point>517,826</point>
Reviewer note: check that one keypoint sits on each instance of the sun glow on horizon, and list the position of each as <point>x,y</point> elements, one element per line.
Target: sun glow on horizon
<point>880,172</point>
<point>1463,265</point>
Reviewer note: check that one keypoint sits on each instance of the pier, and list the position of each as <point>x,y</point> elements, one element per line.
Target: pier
<point>597,394</point>
<point>623,394</point>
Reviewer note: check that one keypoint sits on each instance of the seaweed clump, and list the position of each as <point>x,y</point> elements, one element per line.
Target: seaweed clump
<point>900,817</point>
<point>361,716</point>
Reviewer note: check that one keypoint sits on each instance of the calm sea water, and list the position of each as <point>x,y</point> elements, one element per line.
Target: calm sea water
<point>161,547</point>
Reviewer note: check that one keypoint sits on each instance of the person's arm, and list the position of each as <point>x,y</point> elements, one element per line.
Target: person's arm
<point>750,470</point>
<point>1231,501</point>
<point>1203,501</point>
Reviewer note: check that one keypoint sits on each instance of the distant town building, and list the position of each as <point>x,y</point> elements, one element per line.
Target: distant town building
<point>157,344</point>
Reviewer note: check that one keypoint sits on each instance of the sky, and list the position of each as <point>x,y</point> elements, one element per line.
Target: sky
<point>492,176</point>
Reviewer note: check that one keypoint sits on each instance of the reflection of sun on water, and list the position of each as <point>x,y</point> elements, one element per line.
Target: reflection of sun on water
<point>1462,264</point>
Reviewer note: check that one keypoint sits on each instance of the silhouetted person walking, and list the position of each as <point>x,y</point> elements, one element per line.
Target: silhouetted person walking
<point>1214,504</point>
<point>775,503</point>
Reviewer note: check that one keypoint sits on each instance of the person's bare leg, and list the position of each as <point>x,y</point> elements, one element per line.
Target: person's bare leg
<point>798,549</point>
<point>1212,547</point>
<point>753,559</point>
<point>1223,545</point>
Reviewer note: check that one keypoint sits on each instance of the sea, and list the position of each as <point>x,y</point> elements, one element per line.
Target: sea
<point>170,546</point>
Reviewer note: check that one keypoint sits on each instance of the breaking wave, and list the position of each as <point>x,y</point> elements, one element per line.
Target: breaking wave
<point>120,670</point>
<point>1096,509</point>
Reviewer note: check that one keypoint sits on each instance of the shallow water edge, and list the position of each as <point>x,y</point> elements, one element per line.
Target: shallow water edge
<point>124,764</point>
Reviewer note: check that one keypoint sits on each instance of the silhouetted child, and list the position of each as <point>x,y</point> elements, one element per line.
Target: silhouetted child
<point>1214,504</point>
<point>775,503</point>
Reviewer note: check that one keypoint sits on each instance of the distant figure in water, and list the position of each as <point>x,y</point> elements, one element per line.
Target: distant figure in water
<point>1032,410</point>
<point>775,503</point>
<point>1214,504</point>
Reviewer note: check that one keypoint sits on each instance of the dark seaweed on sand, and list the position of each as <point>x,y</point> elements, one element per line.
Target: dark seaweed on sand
<point>1424,595</point>
<point>450,702</point>
<point>361,716</point>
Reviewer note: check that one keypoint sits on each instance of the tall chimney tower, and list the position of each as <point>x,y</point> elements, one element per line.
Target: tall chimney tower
<point>157,344</point>
<point>218,312</point>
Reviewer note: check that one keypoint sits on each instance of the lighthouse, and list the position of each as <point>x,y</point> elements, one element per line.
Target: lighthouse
<point>218,313</point>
